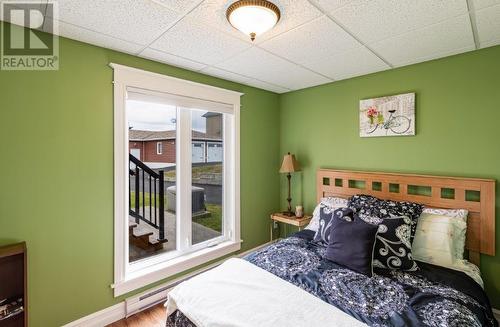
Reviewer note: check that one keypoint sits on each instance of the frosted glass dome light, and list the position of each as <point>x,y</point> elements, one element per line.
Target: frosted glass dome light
<point>253,17</point>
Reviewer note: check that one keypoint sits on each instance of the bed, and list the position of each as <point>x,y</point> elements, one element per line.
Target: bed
<point>430,296</point>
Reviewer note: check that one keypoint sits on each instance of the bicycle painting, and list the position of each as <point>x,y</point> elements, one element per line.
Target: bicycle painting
<point>388,116</point>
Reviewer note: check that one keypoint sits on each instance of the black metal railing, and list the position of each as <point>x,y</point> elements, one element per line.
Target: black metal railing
<point>142,181</point>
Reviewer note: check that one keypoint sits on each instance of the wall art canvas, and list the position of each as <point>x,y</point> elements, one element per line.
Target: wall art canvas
<point>387,116</point>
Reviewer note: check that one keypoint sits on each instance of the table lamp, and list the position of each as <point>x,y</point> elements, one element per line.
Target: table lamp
<point>288,166</point>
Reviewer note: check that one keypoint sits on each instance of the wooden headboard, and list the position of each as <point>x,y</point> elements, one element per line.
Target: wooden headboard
<point>475,195</point>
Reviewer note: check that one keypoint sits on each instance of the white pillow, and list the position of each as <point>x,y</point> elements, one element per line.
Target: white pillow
<point>439,239</point>
<point>333,202</point>
<point>458,214</point>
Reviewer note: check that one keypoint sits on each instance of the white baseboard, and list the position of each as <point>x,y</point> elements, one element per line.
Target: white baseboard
<point>119,311</point>
<point>496,313</point>
<point>101,318</point>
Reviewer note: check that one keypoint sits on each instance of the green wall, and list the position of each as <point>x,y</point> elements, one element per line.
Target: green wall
<point>56,141</point>
<point>457,122</point>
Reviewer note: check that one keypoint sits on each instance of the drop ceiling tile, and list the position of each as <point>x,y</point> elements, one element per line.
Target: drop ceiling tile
<point>311,42</point>
<point>213,13</point>
<point>349,64</point>
<point>375,20</point>
<point>266,86</point>
<point>17,20</point>
<point>17,1</point>
<point>169,59</point>
<point>200,43</point>
<point>490,43</point>
<point>480,4</point>
<point>137,21</point>
<point>488,25</point>
<point>427,43</point>
<point>224,74</point>
<point>14,2</point>
<point>293,14</point>
<point>437,55</point>
<point>332,5</point>
<point>87,36</point>
<point>264,66</point>
<point>179,5</point>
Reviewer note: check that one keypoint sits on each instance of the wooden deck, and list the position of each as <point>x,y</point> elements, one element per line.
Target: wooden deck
<point>200,233</point>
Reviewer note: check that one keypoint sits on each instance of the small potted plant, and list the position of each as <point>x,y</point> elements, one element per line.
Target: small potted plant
<point>371,114</point>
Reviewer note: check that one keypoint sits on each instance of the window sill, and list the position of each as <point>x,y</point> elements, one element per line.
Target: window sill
<point>172,267</point>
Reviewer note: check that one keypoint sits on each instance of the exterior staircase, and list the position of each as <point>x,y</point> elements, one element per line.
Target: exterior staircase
<point>146,187</point>
<point>144,239</point>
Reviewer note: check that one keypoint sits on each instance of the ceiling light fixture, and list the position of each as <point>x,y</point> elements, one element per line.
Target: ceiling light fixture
<point>253,17</point>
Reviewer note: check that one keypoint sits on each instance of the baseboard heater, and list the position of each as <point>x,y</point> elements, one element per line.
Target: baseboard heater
<point>157,295</point>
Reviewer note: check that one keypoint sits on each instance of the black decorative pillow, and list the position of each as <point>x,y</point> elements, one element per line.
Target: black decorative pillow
<point>393,245</point>
<point>369,206</point>
<point>352,242</point>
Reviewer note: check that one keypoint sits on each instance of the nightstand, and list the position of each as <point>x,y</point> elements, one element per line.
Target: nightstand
<point>289,220</point>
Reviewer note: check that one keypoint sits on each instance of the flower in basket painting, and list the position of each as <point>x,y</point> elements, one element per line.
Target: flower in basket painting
<point>387,116</point>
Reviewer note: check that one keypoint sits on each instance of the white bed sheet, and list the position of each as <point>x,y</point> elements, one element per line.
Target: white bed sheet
<point>240,294</point>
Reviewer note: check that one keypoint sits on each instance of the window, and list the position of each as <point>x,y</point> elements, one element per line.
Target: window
<point>179,210</point>
<point>214,152</point>
<point>198,151</point>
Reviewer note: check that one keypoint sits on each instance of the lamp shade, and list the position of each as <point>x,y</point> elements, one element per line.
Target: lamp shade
<point>289,164</point>
<point>253,17</point>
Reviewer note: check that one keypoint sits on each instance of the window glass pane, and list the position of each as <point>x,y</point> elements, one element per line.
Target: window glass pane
<point>152,177</point>
<point>207,175</point>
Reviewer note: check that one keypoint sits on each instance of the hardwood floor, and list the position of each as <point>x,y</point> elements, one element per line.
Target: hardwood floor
<point>153,317</point>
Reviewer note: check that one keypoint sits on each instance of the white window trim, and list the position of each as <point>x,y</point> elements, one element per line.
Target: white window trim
<point>159,147</point>
<point>123,77</point>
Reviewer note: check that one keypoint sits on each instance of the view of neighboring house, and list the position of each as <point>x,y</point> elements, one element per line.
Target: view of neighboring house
<point>153,181</point>
<point>159,146</point>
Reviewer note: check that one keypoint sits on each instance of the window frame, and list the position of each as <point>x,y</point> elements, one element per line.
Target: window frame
<point>160,267</point>
<point>159,148</point>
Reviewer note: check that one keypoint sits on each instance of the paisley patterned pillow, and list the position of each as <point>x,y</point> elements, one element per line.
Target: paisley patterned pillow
<point>370,206</point>
<point>327,213</point>
<point>331,201</point>
<point>393,244</point>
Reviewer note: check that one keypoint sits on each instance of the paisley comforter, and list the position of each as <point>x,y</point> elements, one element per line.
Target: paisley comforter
<point>431,296</point>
